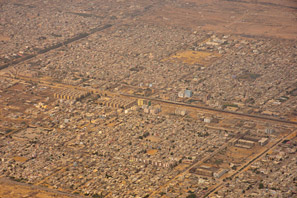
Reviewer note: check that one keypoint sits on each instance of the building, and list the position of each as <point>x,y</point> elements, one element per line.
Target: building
<point>263,141</point>
<point>185,94</point>
<point>181,94</point>
<point>155,110</point>
<point>206,98</point>
<point>118,103</point>
<point>141,102</point>
<point>181,112</point>
<point>204,172</point>
<point>71,94</point>
<point>220,173</point>
<point>245,143</point>
<point>188,93</point>
<point>269,131</point>
<point>207,120</point>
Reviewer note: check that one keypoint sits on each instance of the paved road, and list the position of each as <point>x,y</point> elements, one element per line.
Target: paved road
<point>58,45</point>
<point>243,115</point>
<point>244,167</point>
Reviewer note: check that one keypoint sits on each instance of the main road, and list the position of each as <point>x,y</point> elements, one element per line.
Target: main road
<point>213,110</point>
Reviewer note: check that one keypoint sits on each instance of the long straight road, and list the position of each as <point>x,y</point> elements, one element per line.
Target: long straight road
<point>249,163</point>
<point>56,46</point>
<point>213,110</point>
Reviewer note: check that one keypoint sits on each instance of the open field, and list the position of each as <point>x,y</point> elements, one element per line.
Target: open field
<point>10,189</point>
<point>257,18</point>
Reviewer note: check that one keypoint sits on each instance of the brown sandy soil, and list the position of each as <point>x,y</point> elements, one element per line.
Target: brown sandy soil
<point>10,189</point>
<point>265,18</point>
<point>4,38</point>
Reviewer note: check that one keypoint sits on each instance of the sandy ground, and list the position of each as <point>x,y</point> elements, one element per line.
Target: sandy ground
<point>274,18</point>
<point>10,189</point>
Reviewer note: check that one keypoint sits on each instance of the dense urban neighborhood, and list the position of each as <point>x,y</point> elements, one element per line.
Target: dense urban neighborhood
<point>173,98</point>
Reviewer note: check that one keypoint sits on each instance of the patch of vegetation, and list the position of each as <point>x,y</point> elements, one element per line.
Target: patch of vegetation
<point>136,69</point>
<point>8,130</point>
<point>249,76</point>
<point>229,105</point>
<point>192,195</point>
<point>200,134</point>
<point>146,134</point>
<point>218,161</point>
<point>56,35</point>
<point>97,196</point>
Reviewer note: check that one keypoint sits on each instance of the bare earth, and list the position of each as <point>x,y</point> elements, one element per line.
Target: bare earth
<point>10,189</point>
<point>254,18</point>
